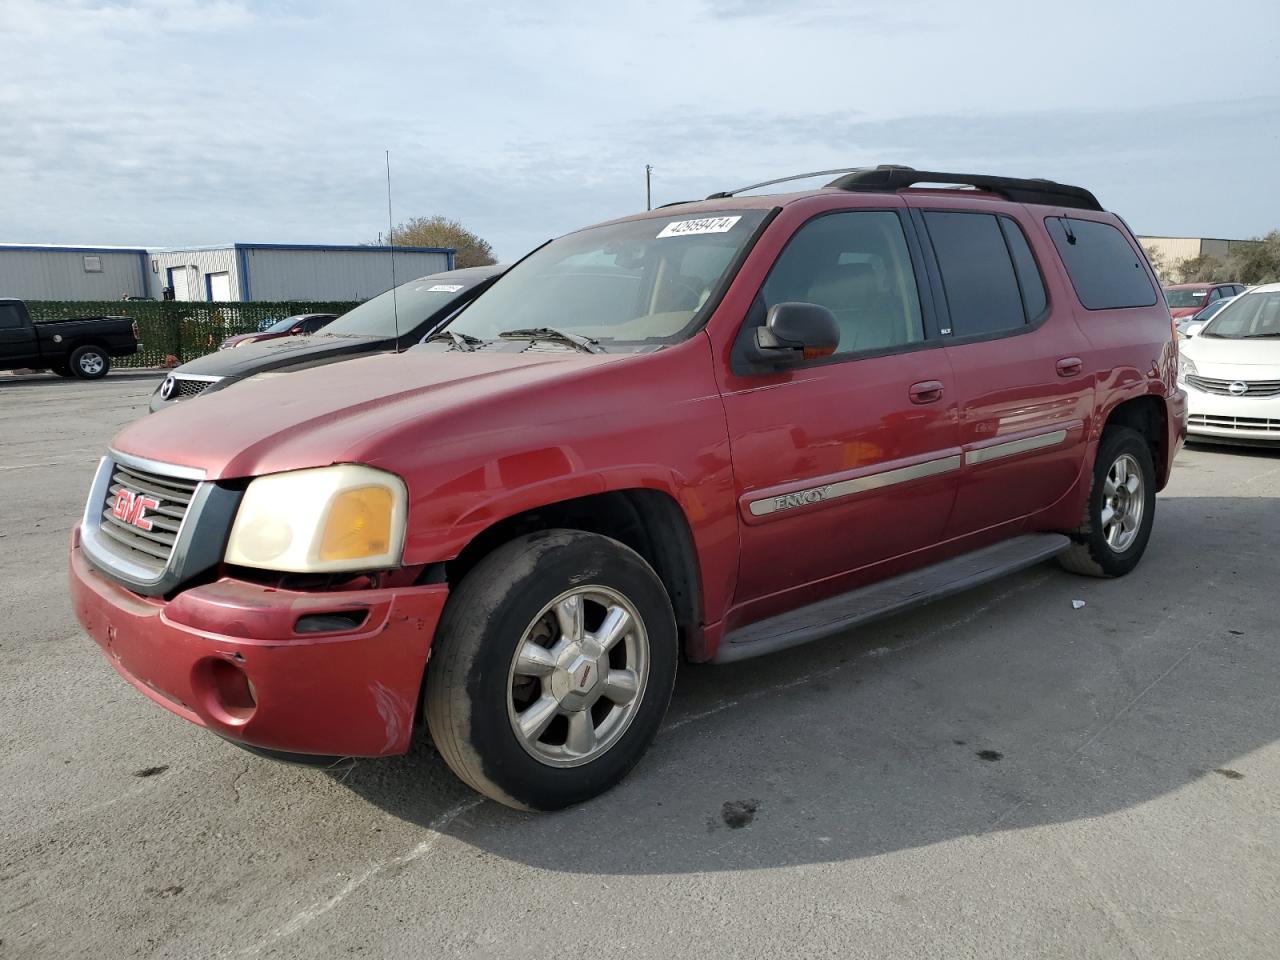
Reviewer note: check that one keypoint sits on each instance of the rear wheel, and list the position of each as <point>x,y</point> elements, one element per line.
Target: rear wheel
<point>89,362</point>
<point>552,669</point>
<point>1120,511</point>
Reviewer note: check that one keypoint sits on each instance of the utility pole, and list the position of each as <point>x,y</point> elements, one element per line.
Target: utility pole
<point>648,191</point>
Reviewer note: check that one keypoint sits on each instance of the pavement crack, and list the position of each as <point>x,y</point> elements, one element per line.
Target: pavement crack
<point>235,784</point>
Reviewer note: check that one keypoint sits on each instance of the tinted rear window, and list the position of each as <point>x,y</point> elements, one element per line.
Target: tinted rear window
<point>1106,271</point>
<point>977,273</point>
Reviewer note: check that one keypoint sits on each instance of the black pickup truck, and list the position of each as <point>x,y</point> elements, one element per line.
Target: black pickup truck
<point>82,347</point>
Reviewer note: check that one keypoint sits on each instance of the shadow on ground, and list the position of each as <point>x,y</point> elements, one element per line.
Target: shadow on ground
<point>1004,708</point>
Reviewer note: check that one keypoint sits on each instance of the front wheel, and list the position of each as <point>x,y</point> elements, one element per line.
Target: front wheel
<point>89,362</point>
<point>552,669</point>
<point>1120,511</point>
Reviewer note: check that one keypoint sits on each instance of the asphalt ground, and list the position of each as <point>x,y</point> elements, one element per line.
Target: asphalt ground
<point>1001,774</point>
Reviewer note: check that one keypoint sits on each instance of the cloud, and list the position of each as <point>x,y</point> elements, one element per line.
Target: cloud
<point>52,19</point>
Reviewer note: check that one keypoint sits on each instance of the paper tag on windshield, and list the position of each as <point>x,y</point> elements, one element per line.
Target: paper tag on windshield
<point>445,288</point>
<point>685,228</point>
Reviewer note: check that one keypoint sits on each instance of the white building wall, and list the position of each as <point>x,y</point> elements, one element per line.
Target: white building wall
<point>281,273</point>
<point>195,264</point>
<point>52,273</point>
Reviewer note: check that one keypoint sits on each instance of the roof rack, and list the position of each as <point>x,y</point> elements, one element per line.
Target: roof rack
<point>1038,190</point>
<point>888,178</point>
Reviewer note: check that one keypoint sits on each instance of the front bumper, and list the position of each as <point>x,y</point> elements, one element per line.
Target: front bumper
<point>1233,419</point>
<point>227,656</point>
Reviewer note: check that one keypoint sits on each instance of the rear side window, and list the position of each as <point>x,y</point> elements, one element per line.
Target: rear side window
<point>1105,270</point>
<point>978,276</point>
<point>10,319</point>
<point>1034,299</point>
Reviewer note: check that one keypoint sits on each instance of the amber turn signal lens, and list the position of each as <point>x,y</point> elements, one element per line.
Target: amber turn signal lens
<point>358,524</point>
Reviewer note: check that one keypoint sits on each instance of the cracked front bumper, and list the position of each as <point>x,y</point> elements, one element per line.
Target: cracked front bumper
<point>227,656</point>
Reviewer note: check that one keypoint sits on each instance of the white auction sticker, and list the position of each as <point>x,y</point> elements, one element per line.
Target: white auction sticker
<point>684,228</point>
<point>445,288</point>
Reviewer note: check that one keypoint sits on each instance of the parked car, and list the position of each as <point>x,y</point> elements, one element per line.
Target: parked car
<point>1189,326</point>
<point>295,326</point>
<point>714,431</point>
<point>82,347</point>
<point>1231,372</point>
<point>1185,299</point>
<point>383,324</point>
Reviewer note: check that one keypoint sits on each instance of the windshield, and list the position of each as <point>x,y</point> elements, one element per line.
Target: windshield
<point>640,282</point>
<point>1185,298</point>
<point>1253,315</point>
<point>1212,309</point>
<point>415,301</point>
<point>282,326</point>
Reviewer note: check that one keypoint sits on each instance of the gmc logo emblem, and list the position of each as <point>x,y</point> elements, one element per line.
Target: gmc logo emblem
<point>132,508</point>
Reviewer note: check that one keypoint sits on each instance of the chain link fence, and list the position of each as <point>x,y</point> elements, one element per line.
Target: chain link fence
<point>175,331</point>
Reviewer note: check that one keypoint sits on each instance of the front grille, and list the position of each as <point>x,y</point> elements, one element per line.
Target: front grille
<point>184,389</point>
<point>1235,423</point>
<point>1253,388</point>
<point>126,518</point>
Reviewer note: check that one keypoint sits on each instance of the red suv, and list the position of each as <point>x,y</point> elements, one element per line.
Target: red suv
<point>1188,299</point>
<point>710,431</point>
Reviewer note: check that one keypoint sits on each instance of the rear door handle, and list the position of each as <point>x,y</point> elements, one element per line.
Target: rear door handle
<point>1070,366</point>
<point>926,391</point>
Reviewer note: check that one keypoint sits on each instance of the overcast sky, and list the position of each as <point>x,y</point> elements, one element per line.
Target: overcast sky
<point>173,122</point>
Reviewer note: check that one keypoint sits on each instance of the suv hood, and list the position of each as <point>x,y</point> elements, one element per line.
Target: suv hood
<point>244,361</point>
<point>350,412</point>
<point>1249,359</point>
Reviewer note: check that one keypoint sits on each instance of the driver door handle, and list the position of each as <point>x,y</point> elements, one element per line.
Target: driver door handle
<point>926,391</point>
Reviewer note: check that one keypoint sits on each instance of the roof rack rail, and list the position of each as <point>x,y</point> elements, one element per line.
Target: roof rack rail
<point>726,194</point>
<point>890,178</point>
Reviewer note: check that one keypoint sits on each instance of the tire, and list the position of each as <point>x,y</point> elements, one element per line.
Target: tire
<point>1103,546</point>
<point>62,370</point>
<point>476,696</point>
<point>89,362</point>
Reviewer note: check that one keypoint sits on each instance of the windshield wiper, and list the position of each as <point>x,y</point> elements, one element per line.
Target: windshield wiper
<point>1260,336</point>
<point>585,344</point>
<point>462,341</point>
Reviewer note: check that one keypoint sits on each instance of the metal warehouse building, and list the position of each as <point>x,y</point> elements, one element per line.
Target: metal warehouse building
<point>277,271</point>
<point>56,272</point>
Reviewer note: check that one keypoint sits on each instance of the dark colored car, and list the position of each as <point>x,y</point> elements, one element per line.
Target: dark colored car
<point>389,322</point>
<point>712,431</point>
<point>81,347</point>
<point>296,326</point>
<point>1185,299</point>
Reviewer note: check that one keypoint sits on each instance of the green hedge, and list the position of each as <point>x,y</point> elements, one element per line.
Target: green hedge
<point>174,331</point>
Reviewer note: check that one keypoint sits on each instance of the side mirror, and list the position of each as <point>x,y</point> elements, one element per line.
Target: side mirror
<point>297,331</point>
<point>793,332</point>
<point>1193,329</point>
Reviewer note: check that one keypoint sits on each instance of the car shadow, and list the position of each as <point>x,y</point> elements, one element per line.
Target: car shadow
<point>43,379</point>
<point>1012,706</point>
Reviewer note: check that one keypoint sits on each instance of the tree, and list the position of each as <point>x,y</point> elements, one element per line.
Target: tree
<point>1202,269</point>
<point>1160,265</point>
<point>440,231</point>
<point>1256,261</point>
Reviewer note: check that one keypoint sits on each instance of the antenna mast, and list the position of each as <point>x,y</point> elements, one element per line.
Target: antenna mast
<point>391,242</point>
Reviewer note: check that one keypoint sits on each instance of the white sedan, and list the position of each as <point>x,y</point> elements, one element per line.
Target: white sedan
<point>1231,371</point>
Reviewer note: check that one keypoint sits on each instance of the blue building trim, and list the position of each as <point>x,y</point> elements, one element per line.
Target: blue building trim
<point>342,248</point>
<point>54,248</point>
<point>242,267</point>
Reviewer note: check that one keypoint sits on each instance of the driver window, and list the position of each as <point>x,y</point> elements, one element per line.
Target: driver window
<point>857,265</point>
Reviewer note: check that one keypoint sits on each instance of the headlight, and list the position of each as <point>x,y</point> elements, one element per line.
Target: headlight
<point>1186,367</point>
<point>345,517</point>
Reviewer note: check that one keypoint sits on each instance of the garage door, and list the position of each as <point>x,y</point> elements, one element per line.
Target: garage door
<point>178,280</point>
<point>219,286</point>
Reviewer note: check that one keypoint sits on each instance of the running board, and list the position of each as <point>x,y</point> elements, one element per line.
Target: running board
<point>888,597</point>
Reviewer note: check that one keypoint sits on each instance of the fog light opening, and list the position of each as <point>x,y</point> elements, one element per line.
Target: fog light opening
<point>229,694</point>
